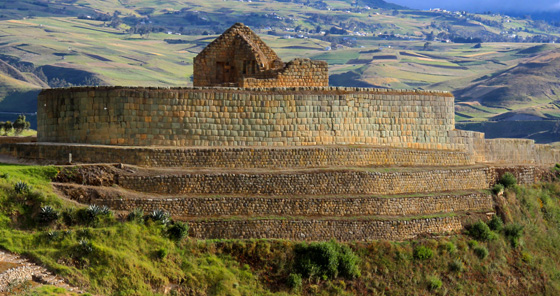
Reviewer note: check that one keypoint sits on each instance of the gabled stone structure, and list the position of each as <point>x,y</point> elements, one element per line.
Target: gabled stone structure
<point>239,58</point>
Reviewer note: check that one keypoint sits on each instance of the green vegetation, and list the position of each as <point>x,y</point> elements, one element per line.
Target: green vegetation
<point>142,255</point>
<point>507,180</point>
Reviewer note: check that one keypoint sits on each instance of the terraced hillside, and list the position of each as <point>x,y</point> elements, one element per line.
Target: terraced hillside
<point>233,197</point>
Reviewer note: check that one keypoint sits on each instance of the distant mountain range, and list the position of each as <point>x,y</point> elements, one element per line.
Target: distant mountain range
<point>499,67</point>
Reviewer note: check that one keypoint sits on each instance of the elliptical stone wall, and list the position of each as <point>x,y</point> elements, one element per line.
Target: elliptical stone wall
<point>237,157</point>
<point>246,117</point>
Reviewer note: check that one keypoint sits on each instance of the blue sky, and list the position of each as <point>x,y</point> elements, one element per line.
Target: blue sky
<point>484,5</point>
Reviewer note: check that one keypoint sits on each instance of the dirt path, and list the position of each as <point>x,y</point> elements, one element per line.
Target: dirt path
<point>16,272</point>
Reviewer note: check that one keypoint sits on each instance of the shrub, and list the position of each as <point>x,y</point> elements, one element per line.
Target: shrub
<point>434,283</point>
<point>162,253</point>
<point>92,214</point>
<point>85,247</point>
<point>508,180</point>
<point>513,233</point>
<point>158,216</point>
<point>472,243</point>
<point>21,187</point>
<point>348,263</point>
<point>480,252</point>
<point>496,223</point>
<point>423,253</point>
<point>481,231</point>
<point>456,265</point>
<point>325,260</point>
<point>497,188</point>
<point>21,124</point>
<point>178,231</point>
<point>47,215</point>
<point>295,281</point>
<point>5,176</point>
<point>136,215</point>
<point>449,247</point>
<point>69,216</point>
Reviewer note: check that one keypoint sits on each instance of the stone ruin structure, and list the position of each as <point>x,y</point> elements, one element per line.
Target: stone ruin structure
<point>239,58</point>
<point>256,140</point>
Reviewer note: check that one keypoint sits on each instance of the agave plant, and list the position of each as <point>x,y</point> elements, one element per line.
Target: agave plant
<point>158,215</point>
<point>22,187</point>
<point>47,215</point>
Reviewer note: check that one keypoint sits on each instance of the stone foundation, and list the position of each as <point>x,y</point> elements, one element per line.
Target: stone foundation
<point>242,157</point>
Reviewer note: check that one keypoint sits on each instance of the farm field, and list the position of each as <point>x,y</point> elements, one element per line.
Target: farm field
<point>152,43</point>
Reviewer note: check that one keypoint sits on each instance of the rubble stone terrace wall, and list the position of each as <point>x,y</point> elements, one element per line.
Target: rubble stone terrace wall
<point>302,206</point>
<point>246,117</point>
<point>242,157</point>
<point>324,182</point>
<point>321,230</point>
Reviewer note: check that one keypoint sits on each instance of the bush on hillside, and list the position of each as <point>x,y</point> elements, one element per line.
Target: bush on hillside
<point>513,233</point>
<point>508,180</point>
<point>481,231</point>
<point>178,231</point>
<point>295,281</point>
<point>423,253</point>
<point>456,265</point>
<point>496,223</point>
<point>434,283</point>
<point>480,252</point>
<point>326,260</point>
<point>496,189</point>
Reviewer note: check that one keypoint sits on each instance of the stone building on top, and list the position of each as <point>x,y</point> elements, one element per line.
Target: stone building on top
<point>239,58</point>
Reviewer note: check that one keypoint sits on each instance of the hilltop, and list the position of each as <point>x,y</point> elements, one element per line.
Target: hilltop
<point>372,44</point>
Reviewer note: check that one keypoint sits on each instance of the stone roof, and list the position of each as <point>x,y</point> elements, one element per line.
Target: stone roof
<point>263,53</point>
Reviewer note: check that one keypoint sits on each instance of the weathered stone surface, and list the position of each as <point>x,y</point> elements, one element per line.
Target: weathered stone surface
<point>239,157</point>
<point>298,206</point>
<point>247,117</point>
<point>324,182</point>
<point>240,58</point>
<point>320,230</point>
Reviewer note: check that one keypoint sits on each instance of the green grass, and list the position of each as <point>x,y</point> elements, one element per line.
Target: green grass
<point>126,257</point>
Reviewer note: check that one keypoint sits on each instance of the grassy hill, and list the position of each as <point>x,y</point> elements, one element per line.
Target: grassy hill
<point>111,255</point>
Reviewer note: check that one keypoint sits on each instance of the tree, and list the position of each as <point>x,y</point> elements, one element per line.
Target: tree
<point>21,124</point>
<point>8,126</point>
<point>427,45</point>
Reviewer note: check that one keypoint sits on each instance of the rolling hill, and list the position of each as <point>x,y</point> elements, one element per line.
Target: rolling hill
<point>57,43</point>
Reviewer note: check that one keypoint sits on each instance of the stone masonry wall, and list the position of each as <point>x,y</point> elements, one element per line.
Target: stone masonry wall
<point>297,73</point>
<point>322,230</point>
<point>294,157</point>
<point>13,140</point>
<point>328,182</point>
<point>246,117</point>
<point>520,151</point>
<point>323,182</point>
<point>473,143</point>
<point>302,206</point>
